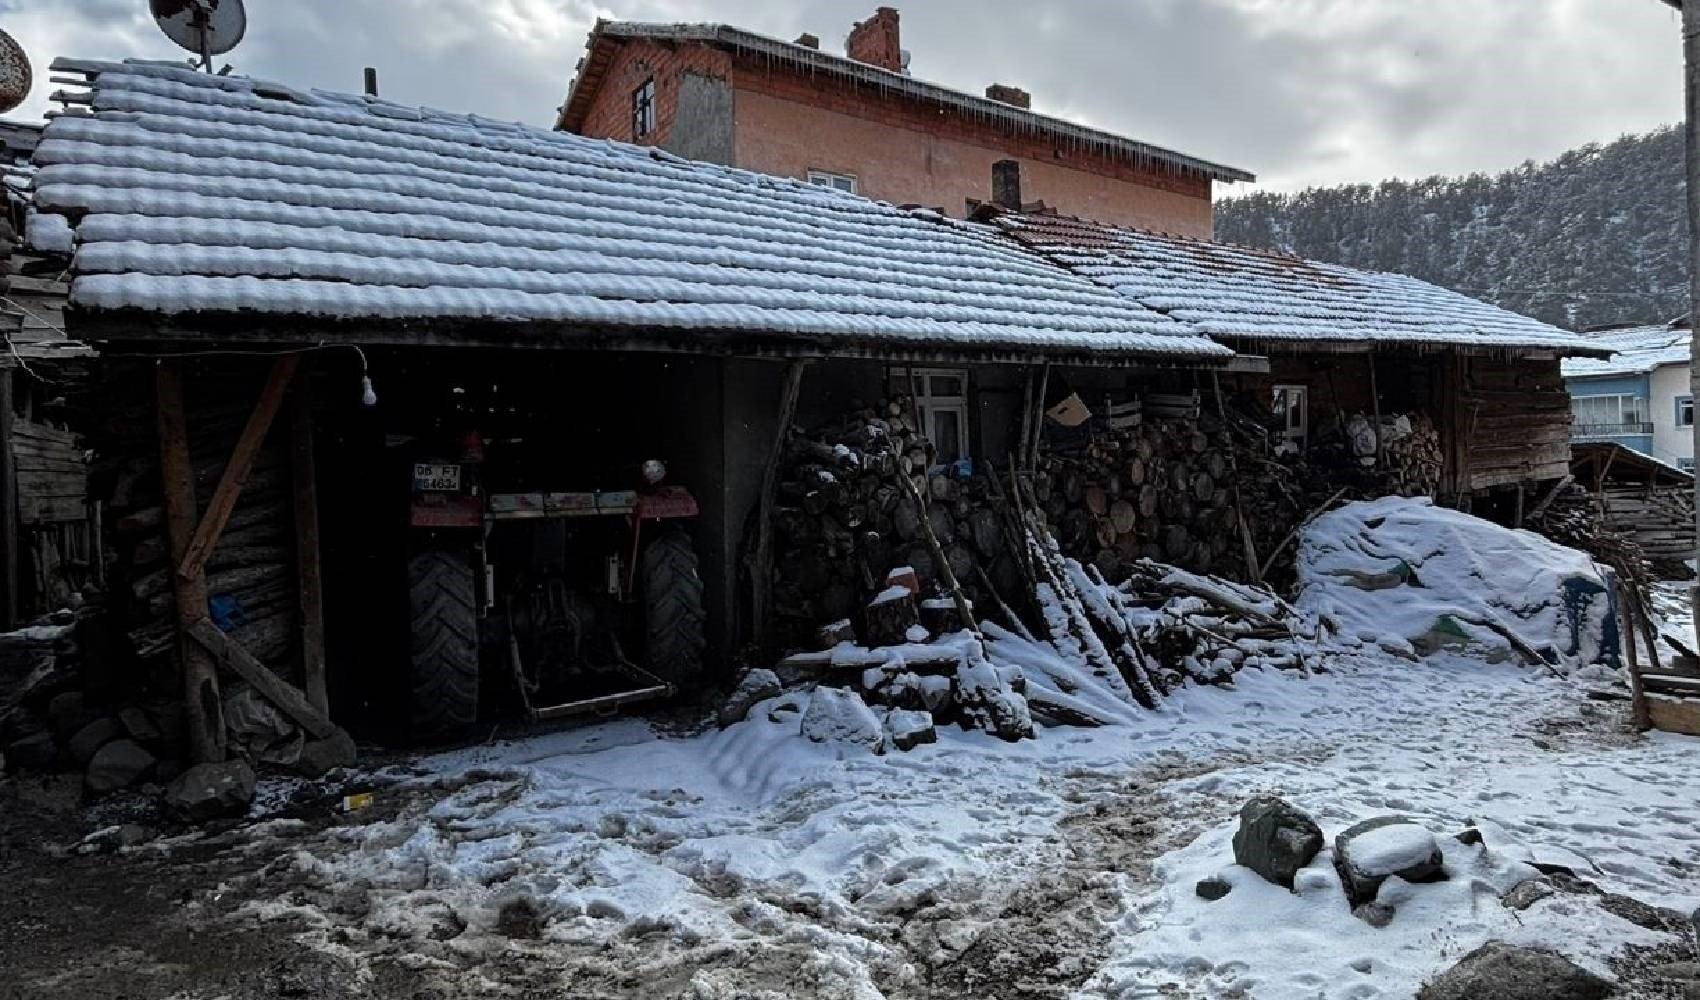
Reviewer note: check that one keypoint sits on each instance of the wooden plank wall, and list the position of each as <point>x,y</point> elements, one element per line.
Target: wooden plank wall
<point>1513,421</point>
<point>1660,518</point>
<point>58,551</point>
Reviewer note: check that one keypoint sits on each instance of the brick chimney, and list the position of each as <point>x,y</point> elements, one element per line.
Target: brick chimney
<point>807,41</point>
<point>1013,96</point>
<point>1006,185</point>
<point>875,41</point>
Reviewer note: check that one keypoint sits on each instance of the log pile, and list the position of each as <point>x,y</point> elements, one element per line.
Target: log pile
<point>1158,489</point>
<point>845,520</point>
<point>1206,629</point>
<point>250,573</point>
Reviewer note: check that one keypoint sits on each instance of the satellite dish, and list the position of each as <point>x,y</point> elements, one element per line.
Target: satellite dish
<point>15,75</point>
<point>205,27</point>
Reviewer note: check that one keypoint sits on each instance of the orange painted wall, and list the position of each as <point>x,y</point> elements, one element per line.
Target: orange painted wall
<point>901,164</point>
<point>901,151</point>
<point>610,114</point>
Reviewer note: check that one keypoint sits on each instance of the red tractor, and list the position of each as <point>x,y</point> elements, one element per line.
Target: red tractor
<point>565,603</point>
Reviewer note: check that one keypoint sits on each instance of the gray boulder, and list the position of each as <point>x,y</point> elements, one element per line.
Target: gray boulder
<point>208,791</point>
<point>1213,888</point>
<point>906,729</point>
<point>1275,839</point>
<point>1366,854</point>
<point>1499,971</point>
<point>1526,894</point>
<point>92,737</point>
<point>118,764</point>
<point>835,715</point>
<point>320,757</point>
<point>756,685</point>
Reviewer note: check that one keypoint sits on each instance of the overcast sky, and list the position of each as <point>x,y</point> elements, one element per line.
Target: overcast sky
<point>1297,91</point>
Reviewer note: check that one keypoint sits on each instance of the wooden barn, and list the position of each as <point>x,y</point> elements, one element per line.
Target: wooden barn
<point>414,420</point>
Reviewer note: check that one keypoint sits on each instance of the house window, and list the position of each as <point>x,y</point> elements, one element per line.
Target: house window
<point>1291,404</point>
<point>941,403</point>
<point>826,178</point>
<point>643,109</point>
<point>1604,416</point>
<point>1685,464</point>
<point>1685,411</point>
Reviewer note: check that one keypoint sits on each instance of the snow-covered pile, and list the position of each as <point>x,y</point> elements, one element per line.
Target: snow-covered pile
<point>1413,578</point>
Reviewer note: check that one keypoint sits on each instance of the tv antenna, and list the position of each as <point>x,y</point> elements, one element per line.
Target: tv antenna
<point>15,74</point>
<point>205,27</point>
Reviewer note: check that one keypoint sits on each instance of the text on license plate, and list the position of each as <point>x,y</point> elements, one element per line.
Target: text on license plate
<point>436,477</point>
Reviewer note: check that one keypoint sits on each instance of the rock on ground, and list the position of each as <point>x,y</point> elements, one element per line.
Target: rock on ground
<point>1366,854</point>
<point>755,686</point>
<point>118,764</point>
<point>837,715</point>
<point>318,757</point>
<point>1499,971</point>
<point>208,791</point>
<point>906,729</point>
<point>1275,839</point>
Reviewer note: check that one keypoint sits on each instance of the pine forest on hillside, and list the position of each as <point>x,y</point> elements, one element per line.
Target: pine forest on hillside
<point>1596,236</point>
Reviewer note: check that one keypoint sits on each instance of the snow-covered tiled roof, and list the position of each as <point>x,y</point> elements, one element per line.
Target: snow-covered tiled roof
<point>1242,294</point>
<point>199,195</point>
<point>1640,349</point>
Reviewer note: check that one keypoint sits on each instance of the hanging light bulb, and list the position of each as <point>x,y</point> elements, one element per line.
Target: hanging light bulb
<point>367,396</point>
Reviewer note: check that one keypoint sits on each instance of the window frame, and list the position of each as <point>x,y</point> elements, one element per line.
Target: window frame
<point>929,404</point>
<point>643,109</point>
<point>1682,403</point>
<point>1301,433</point>
<point>1638,408</point>
<point>831,179</point>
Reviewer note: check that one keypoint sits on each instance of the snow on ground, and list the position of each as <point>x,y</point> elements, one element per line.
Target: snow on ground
<point>749,859</point>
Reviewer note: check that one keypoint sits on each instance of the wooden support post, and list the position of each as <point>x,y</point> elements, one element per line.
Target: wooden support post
<point>1254,573</point>
<point>1375,407</point>
<point>1039,416</point>
<point>1637,694</point>
<point>194,558</point>
<point>8,503</point>
<point>200,679</point>
<point>306,490</point>
<point>761,570</point>
<point>963,609</point>
<point>278,691</point>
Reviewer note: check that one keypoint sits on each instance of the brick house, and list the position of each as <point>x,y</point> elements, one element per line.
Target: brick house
<point>861,123</point>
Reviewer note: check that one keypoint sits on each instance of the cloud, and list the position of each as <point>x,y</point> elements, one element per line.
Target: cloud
<point>1299,91</point>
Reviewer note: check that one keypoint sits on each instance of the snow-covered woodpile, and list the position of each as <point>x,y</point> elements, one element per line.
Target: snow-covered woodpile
<point>845,521</point>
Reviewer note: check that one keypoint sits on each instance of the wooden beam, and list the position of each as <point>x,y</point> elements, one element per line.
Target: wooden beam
<point>245,665</point>
<point>761,570</point>
<point>241,463</point>
<point>8,503</point>
<point>308,569</point>
<point>200,679</point>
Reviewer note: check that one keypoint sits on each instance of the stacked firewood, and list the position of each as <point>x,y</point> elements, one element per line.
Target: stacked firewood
<point>845,520</point>
<point>1159,489</point>
<point>250,573</point>
<point>1207,629</point>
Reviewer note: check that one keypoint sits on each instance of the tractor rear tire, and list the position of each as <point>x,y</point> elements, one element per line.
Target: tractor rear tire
<point>443,674</point>
<point>673,610</point>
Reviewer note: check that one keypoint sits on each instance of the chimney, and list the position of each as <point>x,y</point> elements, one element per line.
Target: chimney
<point>1012,96</point>
<point>1006,185</point>
<point>807,41</point>
<point>875,41</point>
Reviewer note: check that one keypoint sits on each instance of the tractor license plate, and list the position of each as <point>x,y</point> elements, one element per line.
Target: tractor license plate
<point>436,477</point>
